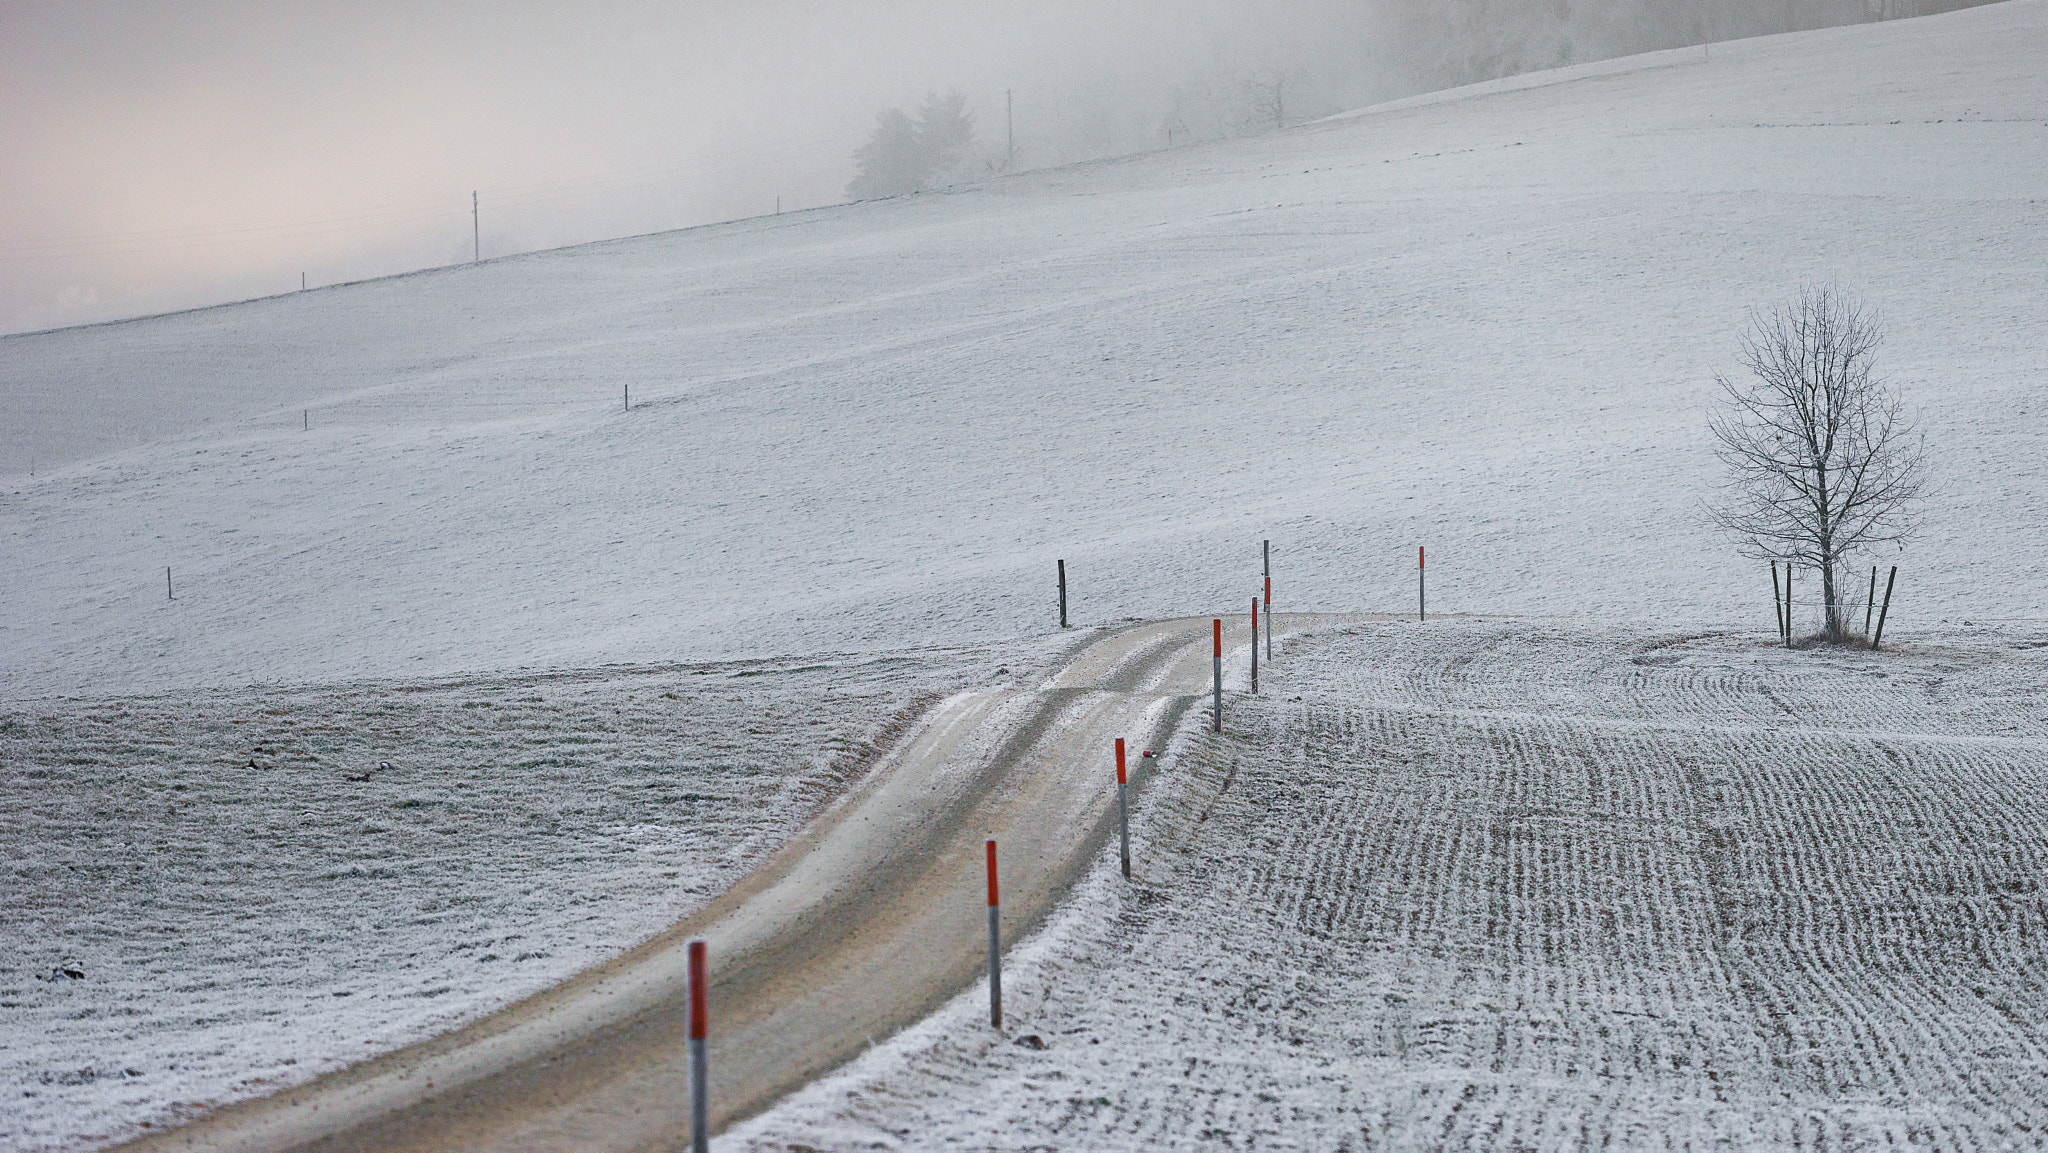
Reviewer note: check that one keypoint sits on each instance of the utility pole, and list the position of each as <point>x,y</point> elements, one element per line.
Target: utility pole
<point>1010,125</point>
<point>476,233</point>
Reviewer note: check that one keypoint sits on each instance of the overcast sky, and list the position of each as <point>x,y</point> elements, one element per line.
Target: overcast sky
<point>160,155</point>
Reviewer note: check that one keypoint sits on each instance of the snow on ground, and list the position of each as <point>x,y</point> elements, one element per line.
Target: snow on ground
<point>1485,322</point>
<point>211,894</point>
<point>1495,885</point>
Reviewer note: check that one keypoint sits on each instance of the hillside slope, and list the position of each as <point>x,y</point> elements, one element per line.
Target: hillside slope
<point>1486,321</point>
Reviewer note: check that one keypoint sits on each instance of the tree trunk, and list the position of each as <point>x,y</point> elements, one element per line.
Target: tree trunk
<point>1830,599</point>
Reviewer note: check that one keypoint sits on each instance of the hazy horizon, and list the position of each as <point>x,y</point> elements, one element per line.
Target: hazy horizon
<point>170,157</point>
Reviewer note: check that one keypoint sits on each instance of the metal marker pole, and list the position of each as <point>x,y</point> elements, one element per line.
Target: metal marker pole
<point>1255,646</point>
<point>1123,812</point>
<point>1219,674</point>
<point>700,1108</point>
<point>995,944</point>
<point>1063,594</point>
<point>1267,552</point>
<point>1870,600</point>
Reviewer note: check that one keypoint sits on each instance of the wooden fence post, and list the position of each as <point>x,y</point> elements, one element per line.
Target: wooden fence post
<point>1268,553</point>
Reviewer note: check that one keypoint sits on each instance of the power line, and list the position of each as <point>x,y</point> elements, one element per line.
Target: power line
<point>523,195</point>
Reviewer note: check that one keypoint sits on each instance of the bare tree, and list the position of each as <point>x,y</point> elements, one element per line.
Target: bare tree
<point>1821,459</point>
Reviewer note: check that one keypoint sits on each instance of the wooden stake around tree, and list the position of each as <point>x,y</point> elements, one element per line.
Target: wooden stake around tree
<point>1788,604</point>
<point>1887,609</point>
<point>1777,602</point>
<point>1870,600</point>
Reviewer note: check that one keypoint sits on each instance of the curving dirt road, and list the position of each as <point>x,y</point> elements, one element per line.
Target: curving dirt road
<point>866,921</point>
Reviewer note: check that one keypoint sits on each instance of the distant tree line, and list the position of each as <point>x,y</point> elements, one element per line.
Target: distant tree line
<point>905,155</point>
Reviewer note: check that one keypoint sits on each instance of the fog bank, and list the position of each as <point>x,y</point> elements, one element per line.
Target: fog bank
<point>165,156</point>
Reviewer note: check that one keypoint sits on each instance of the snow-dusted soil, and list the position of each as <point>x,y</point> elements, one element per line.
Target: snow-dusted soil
<point>1483,321</point>
<point>1507,885</point>
<point>250,900</point>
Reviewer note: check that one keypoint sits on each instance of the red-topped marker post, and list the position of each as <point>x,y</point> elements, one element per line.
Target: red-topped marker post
<point>700,1022</point>
<point>995,943</point>
<point>1421,589</point>
<point>1255,646</point>
<point>1123,812</point>
<point>1219,674</point>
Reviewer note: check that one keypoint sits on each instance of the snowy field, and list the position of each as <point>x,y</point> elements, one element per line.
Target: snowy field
<point>216,893</point>
<point>1493,885</point>
<point>1487,324</point>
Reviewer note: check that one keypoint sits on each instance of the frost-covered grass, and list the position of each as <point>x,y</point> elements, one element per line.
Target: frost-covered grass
<point>1485,885</point>
<point>253,888</point>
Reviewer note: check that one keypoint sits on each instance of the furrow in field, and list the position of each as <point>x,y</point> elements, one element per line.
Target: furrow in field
<point>1479,886</point>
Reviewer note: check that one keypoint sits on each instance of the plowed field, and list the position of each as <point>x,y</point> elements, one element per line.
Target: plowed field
<point>1492,885</point>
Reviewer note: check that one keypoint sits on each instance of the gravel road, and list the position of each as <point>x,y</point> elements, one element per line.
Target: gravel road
<point>865,922</point>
